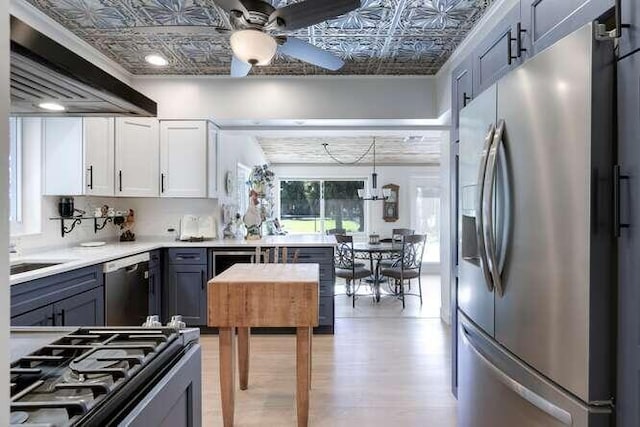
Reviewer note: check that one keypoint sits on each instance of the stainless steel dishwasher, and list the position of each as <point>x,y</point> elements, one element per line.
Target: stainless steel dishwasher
<point>126,283</point>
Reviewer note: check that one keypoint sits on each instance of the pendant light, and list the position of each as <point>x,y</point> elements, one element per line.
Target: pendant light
<point>375,192</point>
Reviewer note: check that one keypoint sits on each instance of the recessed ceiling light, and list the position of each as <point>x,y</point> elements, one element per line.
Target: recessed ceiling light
<point>300,122</point>
<point>157,60</point>
<point>51,106</point>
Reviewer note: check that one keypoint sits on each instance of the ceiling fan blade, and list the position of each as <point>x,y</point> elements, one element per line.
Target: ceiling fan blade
<point>198,30</point>
<point>307,52</point>
<point>230,5</point>
<point>239,68</point>
<point>310,12</point>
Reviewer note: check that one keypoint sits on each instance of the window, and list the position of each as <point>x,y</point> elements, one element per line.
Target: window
<point>15,171</point>
<point>427,220</point>
<point>318,206</point>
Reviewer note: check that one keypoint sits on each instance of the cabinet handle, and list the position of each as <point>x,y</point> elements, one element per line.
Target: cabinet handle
<point>120,180</point>
<point>162,183</point>
<point>465,98</point>
<point>90,177</point>
<point>62,318</point>
<point>518,40</point>
<point>202,279</point>
<point>617,224</point>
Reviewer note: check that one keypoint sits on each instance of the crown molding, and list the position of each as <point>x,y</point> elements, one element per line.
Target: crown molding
<point>47,26</point>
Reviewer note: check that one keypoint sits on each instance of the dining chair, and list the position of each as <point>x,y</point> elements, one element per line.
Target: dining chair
<point>409,266</point>
<point>345,264</point>
<point>396,237</point>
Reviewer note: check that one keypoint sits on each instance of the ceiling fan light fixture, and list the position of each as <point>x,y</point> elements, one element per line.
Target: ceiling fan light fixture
<point>253,46</point>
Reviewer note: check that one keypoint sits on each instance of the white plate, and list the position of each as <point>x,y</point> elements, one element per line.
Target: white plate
<point>92,244</point>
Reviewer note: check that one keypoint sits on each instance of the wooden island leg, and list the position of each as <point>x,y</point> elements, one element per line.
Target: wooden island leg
<point>243,356</point>
<point>227,373</point>
<point>302,374</point>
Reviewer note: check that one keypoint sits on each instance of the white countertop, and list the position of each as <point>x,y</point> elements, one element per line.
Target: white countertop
<point>77,257</point>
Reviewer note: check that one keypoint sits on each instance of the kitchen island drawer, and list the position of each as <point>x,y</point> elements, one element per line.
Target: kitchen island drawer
<point>195,256</point>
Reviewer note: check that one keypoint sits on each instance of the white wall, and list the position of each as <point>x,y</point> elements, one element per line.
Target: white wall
<point>290,98</point>
<point>4,217</point>
<point>446,228</point>
<point>234,149</point>
<point>399,175</point>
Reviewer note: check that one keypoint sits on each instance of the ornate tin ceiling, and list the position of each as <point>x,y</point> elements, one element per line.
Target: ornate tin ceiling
<point>400,37</point>
<point>390,149</point>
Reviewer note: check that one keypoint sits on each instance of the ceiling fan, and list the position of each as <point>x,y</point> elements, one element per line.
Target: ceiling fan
<point>252,21</point>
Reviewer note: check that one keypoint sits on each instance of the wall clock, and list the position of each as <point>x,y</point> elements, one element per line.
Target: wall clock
<point>390,206</point>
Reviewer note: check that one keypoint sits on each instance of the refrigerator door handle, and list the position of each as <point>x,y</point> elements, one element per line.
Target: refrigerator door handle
<point>482,245</point>
<point>530,396</point>
<point>487,208</point>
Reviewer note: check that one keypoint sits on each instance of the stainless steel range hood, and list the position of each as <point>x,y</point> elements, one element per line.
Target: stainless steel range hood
<point>43,70</point>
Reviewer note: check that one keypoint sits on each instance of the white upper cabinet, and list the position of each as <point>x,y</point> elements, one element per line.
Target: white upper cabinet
<point>99,145</point>
<point>78,156</point>
<point>137,157</point>
<point>183,158</point>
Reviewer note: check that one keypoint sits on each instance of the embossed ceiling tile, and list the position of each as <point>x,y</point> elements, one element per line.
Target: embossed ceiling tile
<point>86,13</point>
<point>441,14</point>
<point>373,14</point>
<point>381,37</point>
<point>349,49</point>
<point>180,12</point>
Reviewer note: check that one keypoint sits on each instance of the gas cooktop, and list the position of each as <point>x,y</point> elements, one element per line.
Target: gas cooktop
<point>89,376</point>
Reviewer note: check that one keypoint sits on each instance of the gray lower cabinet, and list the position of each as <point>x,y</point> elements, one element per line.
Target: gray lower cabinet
<point>324,257</point>
<point>155,286</point>
<point>176,401</point>
<point>85,309</point>
<point>73,298</point>
<point>547,21</point>
<point>187,292</point>
<point>628,386</point>
<point>42,316</point>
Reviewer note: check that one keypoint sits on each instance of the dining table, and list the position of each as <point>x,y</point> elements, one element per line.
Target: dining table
<point>374,253</point>
<point>263,295</point>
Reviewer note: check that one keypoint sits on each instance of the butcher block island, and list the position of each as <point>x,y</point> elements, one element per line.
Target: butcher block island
<point>263,295</point>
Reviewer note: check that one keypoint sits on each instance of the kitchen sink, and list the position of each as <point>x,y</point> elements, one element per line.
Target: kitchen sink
<point>23,267</point>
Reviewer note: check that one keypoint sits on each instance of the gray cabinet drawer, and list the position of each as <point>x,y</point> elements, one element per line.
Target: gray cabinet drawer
<point>196,256</point>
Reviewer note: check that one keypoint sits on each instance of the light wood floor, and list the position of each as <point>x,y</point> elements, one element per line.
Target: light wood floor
<point>373,372</point>
<point>390,306</point>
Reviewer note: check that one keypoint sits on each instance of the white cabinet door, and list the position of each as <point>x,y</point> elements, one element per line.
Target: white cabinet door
<point>183,158</point>
<point>213,168</point>
<point>99,146</point>
<point>137,157</point>
<point>62,155</point>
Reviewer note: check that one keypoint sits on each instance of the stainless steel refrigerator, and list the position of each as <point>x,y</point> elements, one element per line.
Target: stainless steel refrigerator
<point>535,278</point>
